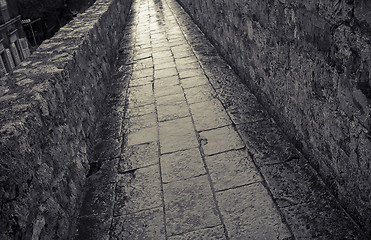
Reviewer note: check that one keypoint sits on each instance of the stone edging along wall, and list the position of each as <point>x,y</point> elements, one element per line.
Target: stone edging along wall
<point>310,63</point>
<point>50,108</point>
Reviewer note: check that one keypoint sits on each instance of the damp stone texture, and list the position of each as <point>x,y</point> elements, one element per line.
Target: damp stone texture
<point>310,63</point>
<point>49,110</point>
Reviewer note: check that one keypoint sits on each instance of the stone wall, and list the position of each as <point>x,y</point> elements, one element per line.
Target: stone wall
<point>309,62</point>
<point>50,109</point>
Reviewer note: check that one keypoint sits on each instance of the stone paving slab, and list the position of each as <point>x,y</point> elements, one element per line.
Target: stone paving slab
<point>190,73</point>
<point>138,156</point>
<point>134,101</point>
<point>138,190</point>
<point>143,121</point>
<point>172,111</point>
<point>167,72</point>
<point>182,165</point>
<point>143,73</point>
<point>143,63</point>
<point>194,81</point>
<point>141,81</point>
<point>196,156</point>
<point>164,65</point>
<point>176,135</point>
<point>249,213</point>
<point>186,60</point>
<point>138,111</point>
<point>168,81</point>
<point>142,135</point>
<point>147,224</point>
<point>209,115</point>
<point>232,169</point>
<point>220,140</point>
<point>189,205</point>
<point>190,65</point>
<point>199,94</point>
<point>170,99</point>
<point>141,94</point>
<point>167,90</point>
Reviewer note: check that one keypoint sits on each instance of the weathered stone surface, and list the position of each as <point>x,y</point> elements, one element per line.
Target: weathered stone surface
<point>160,66</point>
<point>194,81</point>
<point>188,73</point>
<point>309,63</point>
<point>182,53</point>
<point>141,81</point>
<point>305,222</point>
<point>142,135</point>
<point>137,190</point>
<point>189,206</point>
<point>249,213</point>
<point>168,81</point>
<point>138,111</point>
<point>168,72</point>
<point>232,169</point>
<point>136,123</point>
<point>176,135</point>
<point>167,90</point>
<point>267,143</point>
<point>187,60</point>
<point>50,112</point>
<point>172,111</point>
<point>220,140</point>
<point>141,95</point>
<point>200,94</point>
<point>143,63</point>
<point>190,65</point>
<point>164,60</point>
<point>142,73</point>
<point>181,165</point>
<point>215,233</point>
<point>170,99</point>
<point>294,182</point>
<point>111,125</point>
<point>209,114</point>
<point>162,54</point>
<point>241,105</point>
<point>148,224</point>
<point>138,156</point>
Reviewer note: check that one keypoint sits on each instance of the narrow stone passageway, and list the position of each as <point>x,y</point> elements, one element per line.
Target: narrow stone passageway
<point>201,158</point>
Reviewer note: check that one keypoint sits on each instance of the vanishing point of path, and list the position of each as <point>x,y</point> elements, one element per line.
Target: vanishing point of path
<point>201,158</point>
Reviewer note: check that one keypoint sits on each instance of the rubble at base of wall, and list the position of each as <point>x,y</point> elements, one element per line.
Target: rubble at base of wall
<point>50,109</point>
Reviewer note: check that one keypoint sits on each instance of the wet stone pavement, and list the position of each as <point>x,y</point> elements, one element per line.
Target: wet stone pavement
<point>195,156</point>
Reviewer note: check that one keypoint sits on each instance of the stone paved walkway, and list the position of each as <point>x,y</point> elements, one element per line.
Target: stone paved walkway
<point>195,156</point>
